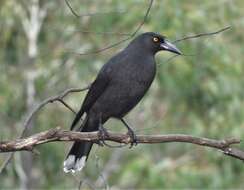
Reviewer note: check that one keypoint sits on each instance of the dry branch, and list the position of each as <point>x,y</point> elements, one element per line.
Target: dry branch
<point>203,34</point>
<point>58,134</point>
<point>57,98</point>
<point>130,36</point>
<point>89,14</point>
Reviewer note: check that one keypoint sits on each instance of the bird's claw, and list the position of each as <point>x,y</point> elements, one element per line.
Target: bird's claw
<point>103,133</point>
<point>132,137</point>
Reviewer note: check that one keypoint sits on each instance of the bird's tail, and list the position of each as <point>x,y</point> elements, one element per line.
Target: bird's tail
<point>79,152</point>
<point>77,118</point>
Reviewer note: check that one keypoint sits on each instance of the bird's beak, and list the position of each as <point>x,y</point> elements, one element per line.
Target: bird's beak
<point>167,46</point>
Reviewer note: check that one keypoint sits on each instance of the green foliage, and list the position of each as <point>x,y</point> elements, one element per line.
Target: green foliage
<point>200,95</point>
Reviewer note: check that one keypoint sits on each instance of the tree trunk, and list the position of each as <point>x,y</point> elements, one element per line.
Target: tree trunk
<point>32,18</point>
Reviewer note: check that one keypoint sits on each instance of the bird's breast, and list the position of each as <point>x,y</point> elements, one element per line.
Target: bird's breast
<point>135,78</point>
<point>129,83</point>
<point>144,73</point>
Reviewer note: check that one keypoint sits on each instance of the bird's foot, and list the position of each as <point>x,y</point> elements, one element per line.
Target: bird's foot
<point>103,133</point>
<point>133,137</point>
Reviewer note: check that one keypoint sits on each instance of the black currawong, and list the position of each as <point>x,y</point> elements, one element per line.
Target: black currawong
<point>119,86</point>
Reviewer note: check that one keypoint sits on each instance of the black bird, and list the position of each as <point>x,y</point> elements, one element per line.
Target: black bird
<point>119,86</point>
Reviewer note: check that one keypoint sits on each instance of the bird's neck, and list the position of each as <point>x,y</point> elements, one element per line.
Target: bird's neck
<point>141,53</point>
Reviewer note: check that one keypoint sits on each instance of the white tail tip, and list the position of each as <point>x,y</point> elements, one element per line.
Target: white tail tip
<point>73,165</point>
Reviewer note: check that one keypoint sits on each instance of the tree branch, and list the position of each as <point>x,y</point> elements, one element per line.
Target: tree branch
<point>202,34</point>
<point>89,14</point>
<point>57,134</point>
<point>57,98</point>
<point>121,41</point>
<point>193,37</point>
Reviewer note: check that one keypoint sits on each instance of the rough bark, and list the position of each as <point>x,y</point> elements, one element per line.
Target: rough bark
<point>57,134</point>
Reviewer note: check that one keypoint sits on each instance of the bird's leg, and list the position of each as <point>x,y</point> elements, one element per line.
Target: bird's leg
<point>102,133</point>
<point>131,133</point>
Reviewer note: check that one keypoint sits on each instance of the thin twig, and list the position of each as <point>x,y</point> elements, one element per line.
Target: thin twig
<point>57,134</point>
<point>106,185</point>
<point>144,19</point>
<point>51,100</point>
<point>90,14</point>
<point>102,33</point>
<point>203,34</point>
<point>6,162</point>
<point>125,39</point>
<point>30,116</point>
<point>192,37</point>
<point>139,27</point>
<point>103,49</point>
<point>111,166</point>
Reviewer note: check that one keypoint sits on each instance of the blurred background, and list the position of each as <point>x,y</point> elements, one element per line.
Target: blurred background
<point>200,95</point>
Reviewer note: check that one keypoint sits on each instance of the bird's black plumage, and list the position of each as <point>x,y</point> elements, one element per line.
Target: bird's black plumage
<point>119,86</point>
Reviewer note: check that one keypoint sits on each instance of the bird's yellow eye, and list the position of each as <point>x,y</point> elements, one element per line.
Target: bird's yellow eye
<point>155,39</point>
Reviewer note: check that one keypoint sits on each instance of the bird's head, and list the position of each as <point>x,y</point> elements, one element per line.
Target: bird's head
<point>154,43</point>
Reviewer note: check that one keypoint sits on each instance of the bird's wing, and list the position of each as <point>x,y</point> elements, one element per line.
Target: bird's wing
<point>96,89</point>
